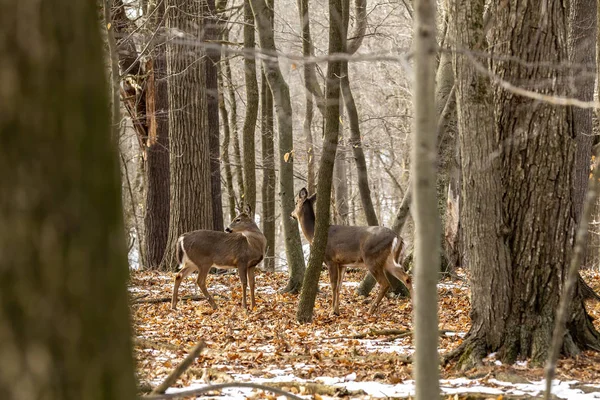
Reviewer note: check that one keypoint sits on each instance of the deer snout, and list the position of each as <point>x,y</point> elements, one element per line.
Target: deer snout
<point>228,230</point>
<point>292,216</point>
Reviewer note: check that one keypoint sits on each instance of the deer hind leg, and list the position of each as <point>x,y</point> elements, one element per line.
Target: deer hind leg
<point>251,282</point>
<point>341,274</point>
<point>187,269</point>
<point>384,285</point>
<point>334,279</point>
<point>201,281</point>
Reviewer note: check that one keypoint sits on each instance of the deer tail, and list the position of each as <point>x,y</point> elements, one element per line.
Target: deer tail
<point>397,247</point>
<point>180,250</point>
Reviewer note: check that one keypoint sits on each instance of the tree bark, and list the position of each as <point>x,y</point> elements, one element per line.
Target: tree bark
<point>225,151</point>
<point>283,110</point>
<point>211,34</point>
<point>426,213</point>
<point>64,324</point>
<point>330,141</point>
<point>268,186</point>
<point>340,180</point>
<point>191,191</point>
<point>252,102</point>
<point>311,183</point>
<point>234,129</point>
<point>518,239</point>
<point>156,217</point>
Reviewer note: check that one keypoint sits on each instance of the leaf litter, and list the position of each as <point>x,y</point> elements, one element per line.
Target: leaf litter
<point>353,355</point>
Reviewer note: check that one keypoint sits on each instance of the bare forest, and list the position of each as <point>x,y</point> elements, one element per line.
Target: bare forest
<point>299,199</point>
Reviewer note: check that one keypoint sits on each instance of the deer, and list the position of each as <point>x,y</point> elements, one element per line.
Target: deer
<point>376,248</point>
<point>242,246</point>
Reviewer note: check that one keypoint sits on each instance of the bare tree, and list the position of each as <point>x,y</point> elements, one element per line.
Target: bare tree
<point>324,183</point>
<point>426,214</point>
<point>283,109</point>
<point>64,325</point>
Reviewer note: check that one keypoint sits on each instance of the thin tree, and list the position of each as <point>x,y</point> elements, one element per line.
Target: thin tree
<point>283,109</point>
<point>64,325</point>
<point>191,190</point>
<point>225,149</point>
<point>252,102</point>
<point>330,141</point>
<point>426,214</point>
<point>518,239</point>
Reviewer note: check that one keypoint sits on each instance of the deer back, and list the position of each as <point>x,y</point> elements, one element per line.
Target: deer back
<point>222,249</point>
<point>354,244</point>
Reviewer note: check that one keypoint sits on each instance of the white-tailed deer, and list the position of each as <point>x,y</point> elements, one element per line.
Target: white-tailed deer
<point>242,248</point>
<point>375,247</point>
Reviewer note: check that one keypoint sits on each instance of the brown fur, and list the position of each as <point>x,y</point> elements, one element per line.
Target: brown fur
<point>370,247</point>
<point>243,249</point>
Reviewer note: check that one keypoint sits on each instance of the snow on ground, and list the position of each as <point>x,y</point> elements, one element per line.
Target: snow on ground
<point>562,389</point>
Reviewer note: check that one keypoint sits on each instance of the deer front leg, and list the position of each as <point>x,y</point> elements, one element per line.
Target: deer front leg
<point>251,283</point>
<point>384,285</point>
<point>201,281</point>
<point>335,289</point>
<point>243,273</point>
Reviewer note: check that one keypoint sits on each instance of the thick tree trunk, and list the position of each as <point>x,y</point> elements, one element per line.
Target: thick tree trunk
<point>252,102</point>
<point>211,34</point>
<point>332,122</point>
<point>156,217</point>
<point>268,161</point>
<point>64,325</point>
<point>519,239</point>
<point>283,109</point>
<point>311,183</point>
<point>191,199</point>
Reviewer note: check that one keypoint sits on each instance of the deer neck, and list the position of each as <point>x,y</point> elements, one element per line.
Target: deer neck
<point>255,239</point>
<point>307,221</point>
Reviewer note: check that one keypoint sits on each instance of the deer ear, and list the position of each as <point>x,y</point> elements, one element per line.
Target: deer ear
<point>313,197</point>
<point>247,209</point>
<point>303,194</point>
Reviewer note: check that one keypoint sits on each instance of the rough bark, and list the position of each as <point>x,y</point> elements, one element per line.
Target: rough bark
<point>311,183</point>
<point>283,110</point>
<point>252,102</point>
<point>211,34</point>
<point>156,217</point>
<point>64,324</point>
<point>518,239</point>
<point>191,199</point>
<point>426,213</point>
<point>330,140</point>
<point>311,81</point>
<point>268,161</point>
<point>340,181</point>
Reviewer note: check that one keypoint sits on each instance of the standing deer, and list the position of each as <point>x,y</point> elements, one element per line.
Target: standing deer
<point>242,248</point>
<point>375,247</point>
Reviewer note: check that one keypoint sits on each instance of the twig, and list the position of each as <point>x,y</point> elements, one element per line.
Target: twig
<point>569,287</point>
<point>167,299</point>
<point>384,332</point>
<point>194,392</point>
<point>150,344</point>
<point>180,369</point>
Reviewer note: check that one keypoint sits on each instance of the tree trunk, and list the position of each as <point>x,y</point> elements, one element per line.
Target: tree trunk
<point>156,217</point>
<point>252,102</point>
<point>268,160</point>
<point>518,239</point>
<point>340,181</point>
<point>332,122</point>
<point>225,151</point>
<point>234,129</point>
<point>213,59</point>
<point>581,38</point>
<point>426,212</point>
<point>311,183</point>
<point>191,199</point>
<point>64,324</point>
<point>283,109</point>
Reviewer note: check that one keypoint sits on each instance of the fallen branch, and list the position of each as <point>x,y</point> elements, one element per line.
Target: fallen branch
<point>180,369</point>
<point>305,388</point>
<point>168,299</point>
<point>210,388</point>
<point>384,332</point>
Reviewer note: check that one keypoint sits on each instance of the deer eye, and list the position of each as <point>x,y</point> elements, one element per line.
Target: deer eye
<point>237,220</point>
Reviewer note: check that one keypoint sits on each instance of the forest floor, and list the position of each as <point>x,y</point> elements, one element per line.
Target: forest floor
<point>354,355</point>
